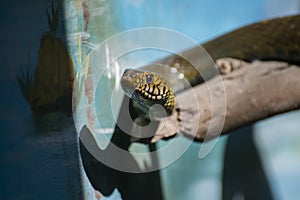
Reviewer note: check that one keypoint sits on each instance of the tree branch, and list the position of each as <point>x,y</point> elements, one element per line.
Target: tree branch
<point>253,91</point>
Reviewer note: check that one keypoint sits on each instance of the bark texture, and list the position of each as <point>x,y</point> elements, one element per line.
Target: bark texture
<point>252,92</point>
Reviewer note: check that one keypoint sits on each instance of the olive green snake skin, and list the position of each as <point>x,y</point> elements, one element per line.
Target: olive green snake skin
<point>276,39</point>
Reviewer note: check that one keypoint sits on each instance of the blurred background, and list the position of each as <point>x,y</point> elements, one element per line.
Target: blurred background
<point>39,149</point>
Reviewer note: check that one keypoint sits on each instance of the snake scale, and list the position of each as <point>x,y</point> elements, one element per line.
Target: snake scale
<point>275,39</point>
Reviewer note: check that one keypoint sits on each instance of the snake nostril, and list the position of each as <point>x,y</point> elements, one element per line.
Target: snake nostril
<point>126,72</point>
<point>130,73</point>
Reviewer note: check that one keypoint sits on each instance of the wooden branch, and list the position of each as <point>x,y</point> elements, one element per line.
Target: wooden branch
<point>253,92</point>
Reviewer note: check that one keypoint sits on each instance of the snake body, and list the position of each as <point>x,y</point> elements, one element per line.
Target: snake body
<point>276,39</point>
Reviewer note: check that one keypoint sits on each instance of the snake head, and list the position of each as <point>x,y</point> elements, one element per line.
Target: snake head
<point>148,89</point>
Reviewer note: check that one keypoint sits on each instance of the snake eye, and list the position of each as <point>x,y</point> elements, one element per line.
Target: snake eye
<point>149,79</point>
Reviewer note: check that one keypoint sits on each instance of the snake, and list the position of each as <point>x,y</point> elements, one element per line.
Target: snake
<point>273,39</point>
